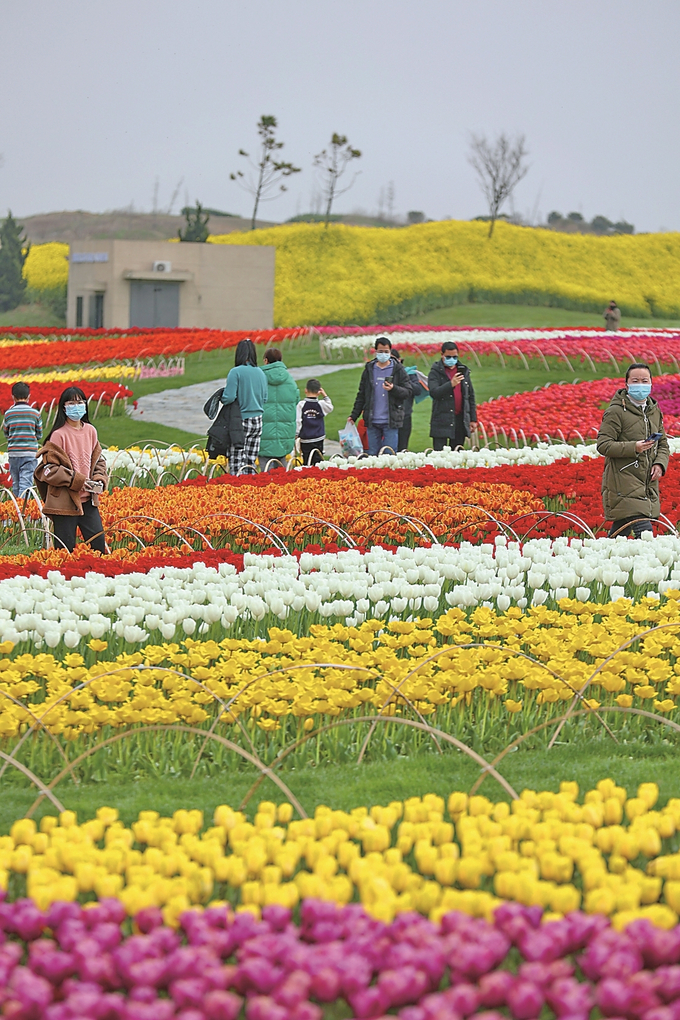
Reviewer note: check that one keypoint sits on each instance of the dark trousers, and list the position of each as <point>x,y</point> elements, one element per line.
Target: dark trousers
<point>458,439</point>
<point>405,433</point>
<point>89,526</point>
<point>312,451</point>
<point>624,527</point>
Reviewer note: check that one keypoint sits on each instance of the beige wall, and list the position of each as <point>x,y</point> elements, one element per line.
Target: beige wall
<point>229,286</point>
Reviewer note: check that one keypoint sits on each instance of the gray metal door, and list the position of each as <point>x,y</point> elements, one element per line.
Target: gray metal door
<point>154,304</point>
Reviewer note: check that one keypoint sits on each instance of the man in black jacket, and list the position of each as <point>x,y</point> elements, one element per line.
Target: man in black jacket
<point>383,388</point>
<point>454,409</point>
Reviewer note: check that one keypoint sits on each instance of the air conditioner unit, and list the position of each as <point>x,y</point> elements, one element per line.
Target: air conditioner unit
<point>162,267</point>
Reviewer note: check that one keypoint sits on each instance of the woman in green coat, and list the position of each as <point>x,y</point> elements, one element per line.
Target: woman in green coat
<point>278,420</point>
<point>633,442</point>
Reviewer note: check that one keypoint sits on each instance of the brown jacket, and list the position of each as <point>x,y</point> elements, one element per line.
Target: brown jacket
<point>612,317</point>
<point>59,484</point>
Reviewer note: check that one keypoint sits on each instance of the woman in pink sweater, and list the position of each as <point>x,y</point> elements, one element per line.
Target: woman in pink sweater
<point>71,474</point>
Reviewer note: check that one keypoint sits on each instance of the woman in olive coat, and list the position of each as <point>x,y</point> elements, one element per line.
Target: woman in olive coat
<point>633,442</point>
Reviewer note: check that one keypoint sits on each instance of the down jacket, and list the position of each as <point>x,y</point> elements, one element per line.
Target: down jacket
<point>627,487</point>
<point>59,483</point>
<point>443,418</point>
<point>278,418</point>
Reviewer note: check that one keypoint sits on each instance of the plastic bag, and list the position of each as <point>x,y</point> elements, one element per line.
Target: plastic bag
<point>350,440</point>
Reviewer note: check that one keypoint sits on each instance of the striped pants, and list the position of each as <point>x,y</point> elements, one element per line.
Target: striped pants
<point>242,458</point>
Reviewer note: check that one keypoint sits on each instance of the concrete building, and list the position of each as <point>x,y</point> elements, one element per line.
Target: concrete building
<point>118,284</point>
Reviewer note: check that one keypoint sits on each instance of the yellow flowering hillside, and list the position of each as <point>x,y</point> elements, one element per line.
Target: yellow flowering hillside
<point>46,267</point>
<point>362,274</point>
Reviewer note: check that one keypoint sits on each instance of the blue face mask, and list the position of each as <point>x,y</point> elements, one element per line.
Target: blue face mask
<point>382,357</point>
<point>75,411</point>
<point>450,361</point>
<point>639,391</point>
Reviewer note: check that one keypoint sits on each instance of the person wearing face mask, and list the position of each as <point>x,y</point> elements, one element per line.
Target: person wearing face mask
<point>71,474</point>
<point>454,408</point>
<point>383,389</point>
<point>633,442</point>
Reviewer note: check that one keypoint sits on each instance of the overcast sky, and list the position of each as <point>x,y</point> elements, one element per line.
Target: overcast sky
<point>100,97</point>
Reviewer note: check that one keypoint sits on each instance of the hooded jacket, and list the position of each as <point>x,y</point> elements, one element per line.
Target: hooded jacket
<point>443,418</point>
<point>627,487</point>
<point>278,418</point>
<point>400,392</point>
<point>59,483</point>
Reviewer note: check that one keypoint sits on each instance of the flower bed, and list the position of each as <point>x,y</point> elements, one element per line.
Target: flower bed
<point>45,394</point>
<point>580,346</point>
<point>570,410</point>
<point>216,963</point>
<point>613,854</point>
<point>498,672</point>
<point>101,346</point>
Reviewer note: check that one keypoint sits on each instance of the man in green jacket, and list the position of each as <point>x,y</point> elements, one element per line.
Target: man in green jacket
<point>633,442</point>
<point>278,420</point>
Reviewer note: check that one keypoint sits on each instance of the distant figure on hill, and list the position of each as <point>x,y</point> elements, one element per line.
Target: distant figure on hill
<point>612,316</point>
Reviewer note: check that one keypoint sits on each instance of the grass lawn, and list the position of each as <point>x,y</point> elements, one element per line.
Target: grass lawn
<point>517,316</point>
<point>347,786</point>
<point>31,315</point>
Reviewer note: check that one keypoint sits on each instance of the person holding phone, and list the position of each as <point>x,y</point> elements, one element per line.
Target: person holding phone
<point>454,408</point>
<point>383,390</point>
<point>633,442</point>
<point>71,474</point>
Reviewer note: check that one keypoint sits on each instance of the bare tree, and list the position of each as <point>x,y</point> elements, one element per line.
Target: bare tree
<point>332,164</point>
<point>500,167</point>
<point>265,176</point>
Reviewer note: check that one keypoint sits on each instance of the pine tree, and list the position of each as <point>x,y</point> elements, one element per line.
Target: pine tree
<point>13,253</point>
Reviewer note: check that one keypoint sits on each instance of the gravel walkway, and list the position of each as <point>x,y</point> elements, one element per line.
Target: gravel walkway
<point>183,408</point>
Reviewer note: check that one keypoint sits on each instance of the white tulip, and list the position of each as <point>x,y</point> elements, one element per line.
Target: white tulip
<point>503,603</point>
<point>189,625</point>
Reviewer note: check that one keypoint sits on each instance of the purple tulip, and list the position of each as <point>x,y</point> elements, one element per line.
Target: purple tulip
<point>412,1013</point>
<point>659,1013</point>
<point>306,1011</point>
<point>402,986</point>
<point>191,1014</point>
<point>188,992</point>
<point>151,972</point>
<point>525,1000</point>
<point>60,911</point>
<point>278,918</point>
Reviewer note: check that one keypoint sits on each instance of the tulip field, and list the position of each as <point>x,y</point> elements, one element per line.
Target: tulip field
<point>460,612</point>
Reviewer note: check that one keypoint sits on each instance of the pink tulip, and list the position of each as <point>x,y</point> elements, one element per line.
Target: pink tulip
<point>369,1002</point>
<point>258,975</point>
<point>263,1007</point>
<point>612,997</point>
<point>569,997</point>
<point>278,918</point>
<point>151,972</point>
<point>188,992</point>
<point>191,1014</point>
<point>525,1000</point>
<point>402,986</point>
<point>222,1005</point>
<point>32,992</point>
<point>143,993</point>
<point>293,989</point>
<point>306,1011</point>
<point>326,985</point>
<point>161,1009</point>
<point>668,987</point>
<point>494,988</point>
<point>148,919</point>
